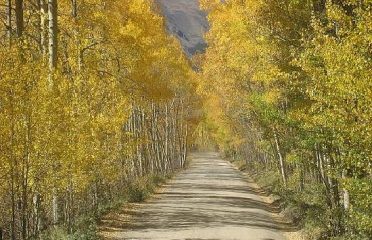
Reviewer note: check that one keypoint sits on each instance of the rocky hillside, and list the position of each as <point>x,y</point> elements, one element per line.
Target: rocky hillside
<point>187,22</point>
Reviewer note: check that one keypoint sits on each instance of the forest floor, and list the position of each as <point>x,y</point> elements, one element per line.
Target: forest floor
<point>210,200</point>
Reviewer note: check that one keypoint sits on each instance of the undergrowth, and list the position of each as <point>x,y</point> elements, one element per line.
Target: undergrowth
<point>85,227</point>
<point>307,208</point>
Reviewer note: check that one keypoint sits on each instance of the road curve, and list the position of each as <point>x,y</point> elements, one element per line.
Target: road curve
<point>211,200</point>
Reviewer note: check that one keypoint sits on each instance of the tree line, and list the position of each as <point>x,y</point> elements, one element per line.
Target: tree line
<point>94,96</point>
<point>288,88</point>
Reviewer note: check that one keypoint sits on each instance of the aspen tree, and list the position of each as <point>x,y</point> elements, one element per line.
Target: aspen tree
<point>299,68</point>
<point>52,34</point>
<point>43,26</point>
<point>9,26</point>
<point>19,22</point>
<point>70,141</point>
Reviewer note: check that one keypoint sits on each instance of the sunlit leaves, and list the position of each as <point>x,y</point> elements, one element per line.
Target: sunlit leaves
<point>301,70</point>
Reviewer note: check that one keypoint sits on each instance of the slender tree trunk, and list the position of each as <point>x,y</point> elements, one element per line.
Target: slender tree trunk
<point>132,159</point>
<point>24,208</point>
<point>344,176</point>
<point>316,172</point>
<point>19,17</point>
<point>321,166</point>
<point>153,158</point>
<point>43,26</point>
<point>13,196</point>
<point>9,21</point>
<point>156,139</point>
<point>174,135</point>
<point>37,223</point>
<point>281,159</point>
<point>74,8</point>
<point>70,206</point>
<point>302,176</point>
<point>53,34</point>
<point>166,132</point>
<point>180,137</point>
<point>25,173</point>
<point>184,154</point>
<point>55,206</point>
<point>52,50</point>
<point>346,196</point>
<point>137,122</point>
<point>12,167</point>
<point>144,144</point>
<point>335,186</point>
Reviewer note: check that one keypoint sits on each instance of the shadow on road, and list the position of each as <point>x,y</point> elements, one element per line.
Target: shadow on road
<point>210,194</point>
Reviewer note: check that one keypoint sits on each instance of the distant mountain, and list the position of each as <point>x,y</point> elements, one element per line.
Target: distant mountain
<point>187,22</point>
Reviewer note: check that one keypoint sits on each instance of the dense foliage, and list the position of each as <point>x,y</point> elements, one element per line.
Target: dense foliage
<point>289,85</point>
<point>94,97</point>
<point>97,100</point>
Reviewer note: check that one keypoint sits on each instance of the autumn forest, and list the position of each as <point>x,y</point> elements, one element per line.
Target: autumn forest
<point>99,105</point>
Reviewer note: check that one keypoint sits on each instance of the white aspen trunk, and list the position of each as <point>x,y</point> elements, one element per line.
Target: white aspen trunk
<point>173,139</point>
<point>281,159</point>
<point>266,160</point>
<point>133,128</point>
<point>184,156</point>
<point>302,177</point>
<point>145,144</point>
<point>153,138</point>
<point>55,206</point>
<point>52,30</point>
<point>53,34</point>
<point>25,176</point>
<point>332,185</point>
<point>322,170</point>
<point>166,143</point>
<point>180,136</point>
<point>74,8</point>
<point>326,161</point>
<point>95,195</point>
<point>157,140</point>
<point>138,142</point>
<point>43,27</point>
<point>153,159</point>
<point>70,206</point>
<point>9,21</point>
<point>12,168</point>
<point>148,148</point>
<point>346,196</point>
<point>161,148</point>
<point>37,218</point>
<point>180,143</point>
<point>316,173</point>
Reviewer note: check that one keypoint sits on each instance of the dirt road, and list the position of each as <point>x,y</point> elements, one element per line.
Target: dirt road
<point>211,200</point>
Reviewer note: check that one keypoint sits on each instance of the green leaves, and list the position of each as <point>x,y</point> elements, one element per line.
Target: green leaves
<point>301,69</point>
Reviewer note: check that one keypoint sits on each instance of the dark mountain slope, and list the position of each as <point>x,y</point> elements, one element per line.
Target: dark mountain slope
<point>187,22</point>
